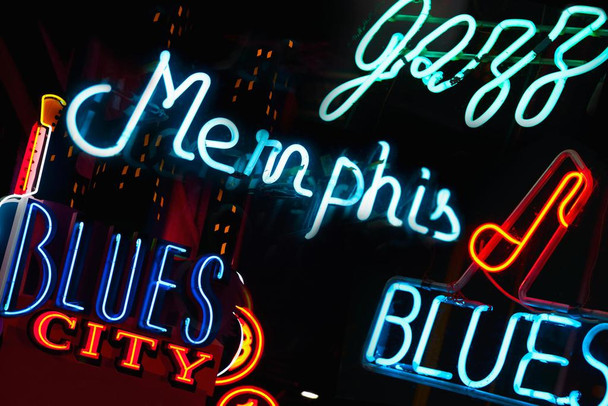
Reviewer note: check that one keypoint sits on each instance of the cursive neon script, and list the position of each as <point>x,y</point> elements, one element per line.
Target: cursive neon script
<point>436,214</point>
<point>399,51</point>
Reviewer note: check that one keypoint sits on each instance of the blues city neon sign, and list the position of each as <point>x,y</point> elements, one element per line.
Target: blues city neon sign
<point>427,215</point>
<point>405,323</point>
<point>400,51</point>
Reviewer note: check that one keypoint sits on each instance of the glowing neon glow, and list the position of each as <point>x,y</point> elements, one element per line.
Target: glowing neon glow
<point>501,80</point>
<point>31,169</point>
<point>247,390</point>
<point>48,266</point>
<point>162,71</point>
<point>157,283</point>
<point>442,208</point>
<point>502,353</point>
<point>132,355</point>
<point>535,355</point>
<point>558,79</point>
<point>270,177</point>
<point>200,283</point>
<point>369,197</point>
<point>186,368</point>
<point>328,198</point>
<point>68,270</point>
<point>594,361</point>
<point>426,331</point>
<point>258,337</point>
<point>92,346</point>
<point>244,347</point>
<point>391,60</point>
<point>379,66</point>
<point>520,244</point>
<point>107,279</point>
<point>384,317</point>
<point>430,73</point>
<point>204,143</point>
<point>40,330</point>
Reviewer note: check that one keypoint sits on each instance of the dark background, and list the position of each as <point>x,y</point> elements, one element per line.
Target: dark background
<point>316,298</point>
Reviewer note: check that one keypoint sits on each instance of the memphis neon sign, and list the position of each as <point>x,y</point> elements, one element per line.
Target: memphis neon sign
<point>427,215</point>
<point>399,338</point>
<point>400,51</point>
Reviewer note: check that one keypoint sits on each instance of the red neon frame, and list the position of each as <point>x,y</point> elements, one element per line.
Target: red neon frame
<point>258,338</point>
<point>241,390</point>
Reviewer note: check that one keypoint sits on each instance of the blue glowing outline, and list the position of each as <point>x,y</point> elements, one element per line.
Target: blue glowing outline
<point>198,285</point>
<point>269,177</point>
<point>502,353</point>
<point>535,355</point>
<point>203,143</point>
<point>559,78</point>
<point>155,283</point>
<point>106,282</point>
<point>68,270</point>
<point>331,185</point>
<point>501,80</point>
<point>383,317</point>
<point>594,361</point>
<point>48,268</point>
<point>424,337</point>
<point>379,180</point>
<point>442,208</point>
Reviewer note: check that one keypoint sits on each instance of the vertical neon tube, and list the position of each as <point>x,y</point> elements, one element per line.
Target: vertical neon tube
<point>68,271</point>
<point>502,353</point>
<point>369,198</point>
<point>424,337</point>
<point>383,317</point>
<point>156,284</point>
<point>108,285</point>
<point>600,366</point>
<point>535,355</point>
<point>48,266</point>
<point>329,199</point>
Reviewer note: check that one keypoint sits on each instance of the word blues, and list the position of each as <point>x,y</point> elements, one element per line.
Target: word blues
<point>404,326</point>
<point>399,51</point>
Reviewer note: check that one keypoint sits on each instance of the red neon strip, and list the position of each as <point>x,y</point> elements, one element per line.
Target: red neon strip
<point>91,348</point>
<point>520,244</point>
<point>133,352</point>
<point>244,390</point>
<point>258,337</point>
<point>186,367</point>
<point>41,326</point>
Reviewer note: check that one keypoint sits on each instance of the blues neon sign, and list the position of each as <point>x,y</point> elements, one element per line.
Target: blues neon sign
<point>400,51</point>
<point>406,321</point>
<point>428,213</point>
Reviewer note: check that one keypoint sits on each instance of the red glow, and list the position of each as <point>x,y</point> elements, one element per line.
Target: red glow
<point>40,330</point>
<point>248,390</point>
<point>133,352</point>
<point>187,368</point>
<point>258,338</point>
<point>520,244</point>
<point>91,348</point>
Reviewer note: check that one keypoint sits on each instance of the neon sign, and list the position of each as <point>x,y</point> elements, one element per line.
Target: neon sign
<point>400,332</point>
<point>443,223</point>
<point>399,51</point>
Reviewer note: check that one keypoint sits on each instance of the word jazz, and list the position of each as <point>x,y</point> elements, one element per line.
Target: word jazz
<point>399,51</point>
<point>441,217</point>
<point>114,303</point>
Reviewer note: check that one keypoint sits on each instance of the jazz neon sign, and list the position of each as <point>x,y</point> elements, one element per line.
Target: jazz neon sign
<point>442,224</point>
<point>399,51</point>
<point>400,324</point>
